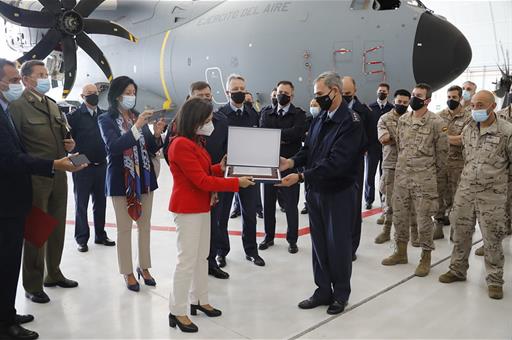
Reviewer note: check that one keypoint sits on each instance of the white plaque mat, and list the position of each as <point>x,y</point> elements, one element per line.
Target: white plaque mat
<point>251,171</point>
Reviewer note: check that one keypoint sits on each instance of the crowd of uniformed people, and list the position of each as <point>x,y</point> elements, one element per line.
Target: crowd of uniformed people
<point>435,169</point>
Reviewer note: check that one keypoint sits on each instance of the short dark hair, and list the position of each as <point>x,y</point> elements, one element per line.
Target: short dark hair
<point>426,87</point>
<point>117,87</point>
<point>28,66</point>
<point>455,88</point>
<point>3,63</point>
<point>386,85</point>
<point>199,85</point>
<point>402,92</point>
<point>274,89</point>
<point>191,116</point>
<point>285,82</point>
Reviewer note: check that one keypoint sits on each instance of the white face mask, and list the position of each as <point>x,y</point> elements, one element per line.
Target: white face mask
<point>206,129</point>
<point>315,111</point>
<point>128,102</point>
<point>14,92</point>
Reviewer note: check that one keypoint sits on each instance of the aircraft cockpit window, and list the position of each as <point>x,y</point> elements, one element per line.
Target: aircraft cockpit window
<point>416,3</point>
<point>377,5</point>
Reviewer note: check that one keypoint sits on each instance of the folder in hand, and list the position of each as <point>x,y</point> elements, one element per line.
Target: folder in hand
<point>39,226</point>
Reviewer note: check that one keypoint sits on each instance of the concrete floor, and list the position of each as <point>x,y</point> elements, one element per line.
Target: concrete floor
<point>261,302</point>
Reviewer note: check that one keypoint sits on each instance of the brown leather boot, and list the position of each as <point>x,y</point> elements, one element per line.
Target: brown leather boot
<point>424,267</point>
<point>450,277</point>
<point>380,220</point>
<point>495,292</point>
<point>398,257</point>
<point>385,235</point>
<point>480,251</point>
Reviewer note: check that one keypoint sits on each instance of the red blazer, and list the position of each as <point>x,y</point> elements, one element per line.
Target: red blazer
<point>194,177</point>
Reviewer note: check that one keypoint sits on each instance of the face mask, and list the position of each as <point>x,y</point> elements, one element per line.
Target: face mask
<point>283,99</point>
<point>238,97</point>
<point>400,109</point>
<point>314,110</point>
<point>324,102</point>
<point>14,92</point>
<point>466,95</point>
<point>382,95</point>
<point>348,99</point>
<point>274,101</point>
<point>452,104</point>
<point>128,102</point>
<point>480,115</point>
<point>92,99</point>
<point>206,129</point>
<point>417,103</point>
<point>43,85</point>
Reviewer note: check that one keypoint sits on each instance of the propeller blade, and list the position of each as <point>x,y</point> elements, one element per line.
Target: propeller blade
<point>44,47</point>
<point>27,18</point>
<point>68,4</point>
<point>51,5</point>
<point>69,49</point>
<point>95,26</point>
<point>95,53</point>
<point>86,7</point>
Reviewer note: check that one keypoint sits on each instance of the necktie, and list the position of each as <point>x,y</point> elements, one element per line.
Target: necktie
<point>281,113</point>
<point>238,112</point>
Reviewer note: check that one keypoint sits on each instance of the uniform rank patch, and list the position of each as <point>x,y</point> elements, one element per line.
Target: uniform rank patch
<point>355,117</point>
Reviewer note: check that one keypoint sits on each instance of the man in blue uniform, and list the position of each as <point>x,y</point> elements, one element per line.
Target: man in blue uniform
<point>239,114</point>
<point>333,145</point>
<point>292,121</point>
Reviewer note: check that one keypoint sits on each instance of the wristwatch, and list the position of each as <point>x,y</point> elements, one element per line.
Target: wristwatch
<point>301,177</point>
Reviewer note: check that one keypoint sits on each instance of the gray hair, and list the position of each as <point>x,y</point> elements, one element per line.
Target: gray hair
<point>3,63</point>
<point>232,77</point>
<point>331,79</point>
<point>27,67</point>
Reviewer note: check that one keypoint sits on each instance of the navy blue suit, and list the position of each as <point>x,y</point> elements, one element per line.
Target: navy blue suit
<point>16,167</point>
<point>329,155</point>
<point>89,182</point>
<point>248,196</point>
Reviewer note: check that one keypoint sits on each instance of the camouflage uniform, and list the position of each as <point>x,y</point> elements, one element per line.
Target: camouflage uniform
<point>481,195</point>
<point>422,148</point>
<point>455,162</point>
<point>506,114</point>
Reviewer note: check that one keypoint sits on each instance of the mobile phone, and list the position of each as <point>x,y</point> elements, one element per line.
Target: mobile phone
<point>156,116</point>
<point>79,160</point>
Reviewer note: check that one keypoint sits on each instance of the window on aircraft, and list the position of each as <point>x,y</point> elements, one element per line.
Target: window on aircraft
<point>377,5</point>
<point>416,3</point>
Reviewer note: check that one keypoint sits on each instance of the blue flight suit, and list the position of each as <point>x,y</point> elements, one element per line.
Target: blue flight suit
<point>329,155</point>
<point>247,117</point>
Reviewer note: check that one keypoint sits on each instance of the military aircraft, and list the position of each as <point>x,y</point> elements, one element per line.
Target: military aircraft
<point>178,42</point>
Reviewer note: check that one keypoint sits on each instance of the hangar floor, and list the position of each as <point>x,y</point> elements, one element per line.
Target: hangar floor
<point>261,302</point>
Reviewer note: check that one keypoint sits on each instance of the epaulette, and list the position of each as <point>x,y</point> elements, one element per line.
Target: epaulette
<point>51,99</point>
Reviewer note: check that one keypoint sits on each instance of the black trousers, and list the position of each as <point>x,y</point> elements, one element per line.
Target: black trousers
<point>90,182</point>
<point>373,159</point>
<point>358,220</point>
<point>11,244</point>
<point>248,202</point>
<point>236,201</point>
<point>290,200</point>
<point>331,219</point>
<point>215,232</point>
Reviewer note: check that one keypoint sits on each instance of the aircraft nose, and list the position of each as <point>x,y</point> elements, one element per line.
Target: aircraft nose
<point>441,52</point>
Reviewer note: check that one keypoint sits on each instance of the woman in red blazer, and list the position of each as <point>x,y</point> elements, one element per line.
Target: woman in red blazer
<point>195,182</point>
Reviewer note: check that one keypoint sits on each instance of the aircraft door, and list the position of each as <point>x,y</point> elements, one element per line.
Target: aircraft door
<point>342,56</point>
<point>214,77</point>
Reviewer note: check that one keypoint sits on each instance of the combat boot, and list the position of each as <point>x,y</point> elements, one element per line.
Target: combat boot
<point>398,257</point>
<point>385,235</point>
<point>380,220</point>
<point>480,251</point>
<point>424,267</point>
<point>415,240</point>
<point>495,292</point>
<point>438,230</point>
<point>450,277</point>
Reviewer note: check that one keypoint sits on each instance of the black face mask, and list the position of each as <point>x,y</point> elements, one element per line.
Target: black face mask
<point>92,99</point>
<point>324,102</point>
<point>382,95</point>
<point>400,109</point>
<point>274,101</point>
<point>452,104</point>
<point>283,99</point>
<point>417,103</point>
<point>238,97</point>
<point>348,99</point>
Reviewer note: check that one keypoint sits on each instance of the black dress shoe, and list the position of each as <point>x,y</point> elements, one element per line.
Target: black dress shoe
<point>38,297</point>
<point>65,283</point>
<point>260,214</point>
<point>368,206</point>
<point>21,319</point>
<point>106,242</point>
<point>173,321</point>
<point>283,210</point>
<point>336,307</point>
<point>304,210</point>
<point>292,248</point>
<point>256,259</point>
<point>265,244</point>
<point>221,261</point>
<point>83,248</point>
<point>218,273</point>
<point>210,313</point>
<point>313,302</point>
<point>234,214</point>
<point>354,257</point>
<point>18,332</point>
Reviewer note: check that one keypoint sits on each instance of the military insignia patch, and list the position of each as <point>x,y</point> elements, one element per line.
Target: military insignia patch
<point>355,117</point>
<point>445,129</point>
